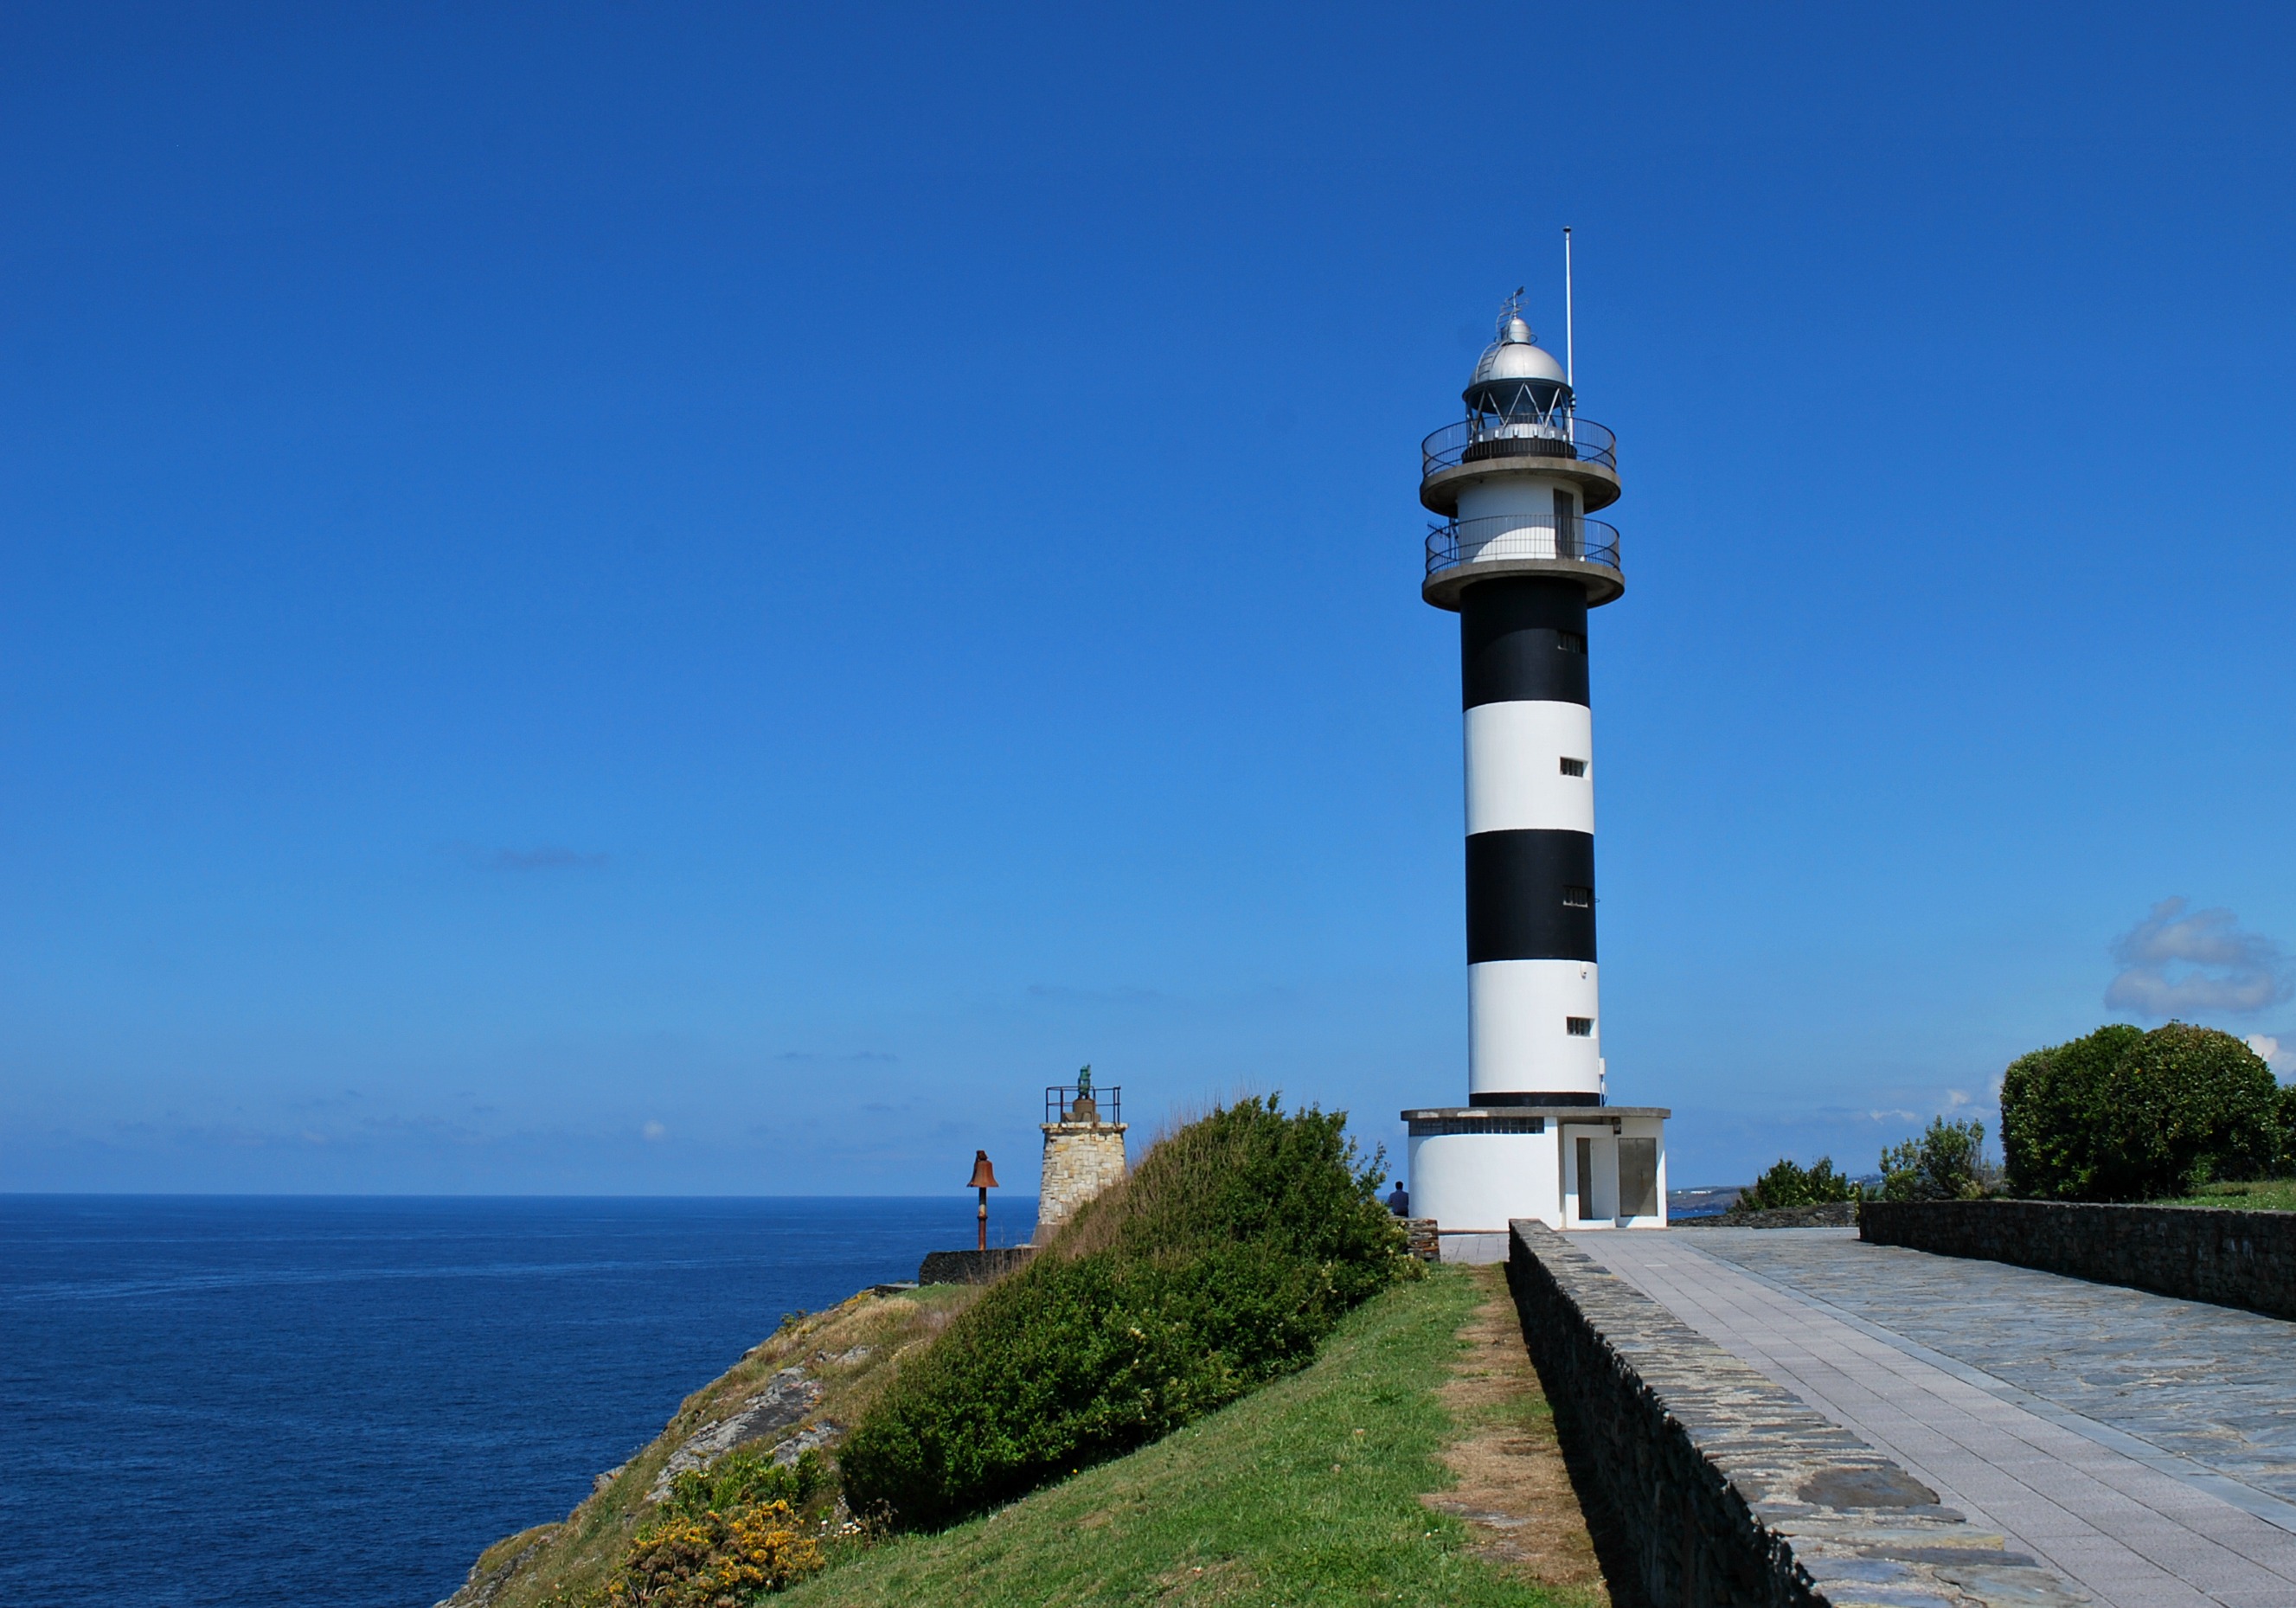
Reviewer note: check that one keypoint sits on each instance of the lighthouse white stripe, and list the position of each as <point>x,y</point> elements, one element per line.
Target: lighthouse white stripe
<point>1515,781</point>
<point>1518,1039</point>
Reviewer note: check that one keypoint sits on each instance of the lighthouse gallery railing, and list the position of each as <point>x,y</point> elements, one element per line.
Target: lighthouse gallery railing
<point>1543,436</point>
<point>1531,535</point>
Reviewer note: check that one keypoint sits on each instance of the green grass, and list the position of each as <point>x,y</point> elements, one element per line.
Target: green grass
<point>2265,1194</point>
<point>1277,1499</point>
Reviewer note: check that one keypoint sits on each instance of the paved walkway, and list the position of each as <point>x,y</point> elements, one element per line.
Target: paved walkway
<point>2140,1444</point>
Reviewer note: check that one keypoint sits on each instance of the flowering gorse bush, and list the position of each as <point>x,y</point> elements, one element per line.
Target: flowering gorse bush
<point>714,1560</point>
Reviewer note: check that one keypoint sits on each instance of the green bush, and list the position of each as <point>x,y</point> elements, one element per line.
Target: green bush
<point>2053,1103</point>
<point>746,1478</point>
<point>1945,1163</point>
<point>1219,1264</point>
<point>1787,1184</point>
<point>2288,1131</point>
<point>2123,1115</point>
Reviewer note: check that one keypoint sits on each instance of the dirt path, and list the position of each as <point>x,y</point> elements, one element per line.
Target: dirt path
<point>1513,1491</point>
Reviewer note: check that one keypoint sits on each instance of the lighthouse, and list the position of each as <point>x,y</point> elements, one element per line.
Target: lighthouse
<point>1518,557</point>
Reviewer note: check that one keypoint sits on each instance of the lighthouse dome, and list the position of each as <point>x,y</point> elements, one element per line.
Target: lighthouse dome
<point>1515,374</point>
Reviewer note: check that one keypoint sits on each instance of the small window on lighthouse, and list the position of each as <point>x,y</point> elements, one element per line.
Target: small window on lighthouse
<point>1579,1027</point>
<point>1570,642</point>
<point>1578,898</point>
<point>1574,768</point>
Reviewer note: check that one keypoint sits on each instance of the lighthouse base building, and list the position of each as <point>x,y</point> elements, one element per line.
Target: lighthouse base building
<point>1475,1169</point>
<point>1520,563</point>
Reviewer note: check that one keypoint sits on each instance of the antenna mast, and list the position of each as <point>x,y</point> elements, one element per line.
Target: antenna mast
<point>1570,374</point>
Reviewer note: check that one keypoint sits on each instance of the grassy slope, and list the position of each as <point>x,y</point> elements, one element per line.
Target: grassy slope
<point>570,1561</point>
<point>1274,1500</point>
<point>2266,1194</point>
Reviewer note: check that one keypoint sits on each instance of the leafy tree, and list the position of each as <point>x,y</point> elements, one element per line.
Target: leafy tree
<point>1945,1163</point>
<point>1788,1184</point>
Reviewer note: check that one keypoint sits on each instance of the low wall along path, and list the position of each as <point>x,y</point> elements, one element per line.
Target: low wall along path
<point>1736,1492</point>
<point>2142,1447</point>
<point>2232,1259</point>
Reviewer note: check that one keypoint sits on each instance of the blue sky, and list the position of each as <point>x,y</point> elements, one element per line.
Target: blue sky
<point>704,599</point>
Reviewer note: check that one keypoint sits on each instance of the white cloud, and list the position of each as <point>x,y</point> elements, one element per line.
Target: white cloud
<point>655,1130</point>
<point>2174,964</point>
<point>2268,1050</point>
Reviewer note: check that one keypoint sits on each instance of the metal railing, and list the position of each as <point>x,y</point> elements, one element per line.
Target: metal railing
<point>1534,536</point>
<point>1063,1102</point>
<point>1480,437</point>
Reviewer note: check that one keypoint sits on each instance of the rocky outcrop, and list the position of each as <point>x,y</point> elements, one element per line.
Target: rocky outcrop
<point>787,1397</point>
<point>497,1567</point>
<point>796,1391</point>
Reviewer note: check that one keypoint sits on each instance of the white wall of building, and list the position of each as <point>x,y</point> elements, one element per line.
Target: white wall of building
<point>1603,1152</point>
<point>1515,493</point>
<point>1484,1181</point>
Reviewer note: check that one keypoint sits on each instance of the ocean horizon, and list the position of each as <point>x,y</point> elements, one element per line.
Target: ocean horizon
<point>218,1401</point>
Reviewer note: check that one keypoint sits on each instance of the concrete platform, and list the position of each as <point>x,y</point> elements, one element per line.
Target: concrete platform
<point>2145,1447</point>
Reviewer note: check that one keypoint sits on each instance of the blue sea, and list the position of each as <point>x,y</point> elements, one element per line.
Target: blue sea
<point>336,1402</point>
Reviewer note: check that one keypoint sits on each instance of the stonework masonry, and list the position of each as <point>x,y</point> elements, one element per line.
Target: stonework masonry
<point>1081,1159</point>
<point>972,1267</point>
<point>1733,1494</point>
<point>2228,1258</point>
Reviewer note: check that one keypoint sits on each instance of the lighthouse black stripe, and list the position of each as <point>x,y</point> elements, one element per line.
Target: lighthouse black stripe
<point>1523,637</point>
<point>1530,896</point>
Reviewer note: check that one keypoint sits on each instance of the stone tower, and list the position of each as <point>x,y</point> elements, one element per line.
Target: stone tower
<point>1083,1150</point>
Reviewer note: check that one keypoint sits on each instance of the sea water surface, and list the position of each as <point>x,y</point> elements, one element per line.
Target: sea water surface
<point>336,1402</point>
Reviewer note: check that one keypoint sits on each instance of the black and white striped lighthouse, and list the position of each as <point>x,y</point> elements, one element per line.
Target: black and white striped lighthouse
<point>1521,561</point>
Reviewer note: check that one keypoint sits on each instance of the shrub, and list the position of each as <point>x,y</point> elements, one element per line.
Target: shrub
<point>2288,1131</point>
<point>714,1560</point>
<point>1945,1163</point>
<point>2052,1104</point>
<point>2185,1107</point>
<point>1787,1184</point>
<point>1219,1264</point>
<point>2123,1115</point>
<point>746,1478</point>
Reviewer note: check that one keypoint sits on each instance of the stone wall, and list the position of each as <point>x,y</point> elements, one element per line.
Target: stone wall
<point>2230,1258</point>
<point>1081,1159</point>
<point>971,1267</point>
<point>1726,1490</point>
